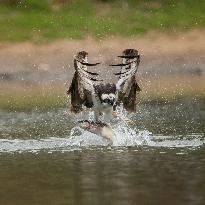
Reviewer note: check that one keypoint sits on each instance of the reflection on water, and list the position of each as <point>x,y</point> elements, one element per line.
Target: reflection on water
<point>156,159</point>
<point>104,175</point>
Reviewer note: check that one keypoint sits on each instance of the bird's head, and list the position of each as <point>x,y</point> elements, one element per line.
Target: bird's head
<point>106,94</point>
<point>108,99</point>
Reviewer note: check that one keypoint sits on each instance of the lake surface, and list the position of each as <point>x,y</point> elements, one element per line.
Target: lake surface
<point>157,157</point>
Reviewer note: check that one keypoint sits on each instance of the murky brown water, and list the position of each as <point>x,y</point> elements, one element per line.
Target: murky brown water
<point>158,159</point>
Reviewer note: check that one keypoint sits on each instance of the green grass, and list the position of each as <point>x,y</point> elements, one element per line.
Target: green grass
<point>34,102</point>
<point>21,97</point>
<point>39,21</point>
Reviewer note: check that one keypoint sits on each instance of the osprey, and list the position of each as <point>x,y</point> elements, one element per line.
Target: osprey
<point>87,90</point>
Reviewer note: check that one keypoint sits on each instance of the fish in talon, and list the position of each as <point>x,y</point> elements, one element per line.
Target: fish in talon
<point>98,128</point>
<point>87,90</point>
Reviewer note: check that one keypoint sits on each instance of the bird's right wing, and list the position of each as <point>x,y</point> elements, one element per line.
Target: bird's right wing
<point>82,86</point>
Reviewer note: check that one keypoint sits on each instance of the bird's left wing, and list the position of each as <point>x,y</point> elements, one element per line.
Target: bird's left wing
<point>127,86</point>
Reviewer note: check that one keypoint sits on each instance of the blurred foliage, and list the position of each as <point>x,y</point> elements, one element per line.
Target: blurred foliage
<point>45,20</point>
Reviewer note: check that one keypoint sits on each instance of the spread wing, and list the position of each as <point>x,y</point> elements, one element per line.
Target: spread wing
<point>82,85</point>
<point>127,86</point>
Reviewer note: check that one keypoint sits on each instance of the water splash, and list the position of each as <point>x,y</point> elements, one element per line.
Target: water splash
<point>80,139</point>
<point>57,131</point>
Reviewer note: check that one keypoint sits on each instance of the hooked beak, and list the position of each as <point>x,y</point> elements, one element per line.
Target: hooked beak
<point>111,103</point>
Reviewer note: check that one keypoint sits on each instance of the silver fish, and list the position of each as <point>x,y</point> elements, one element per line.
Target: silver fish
<point>98,128</point>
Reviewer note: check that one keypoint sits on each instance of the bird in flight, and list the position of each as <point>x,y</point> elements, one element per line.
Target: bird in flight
<point>88,90</point>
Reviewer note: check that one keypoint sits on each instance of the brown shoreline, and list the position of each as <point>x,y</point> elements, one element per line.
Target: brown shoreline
<point>159,52</point>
